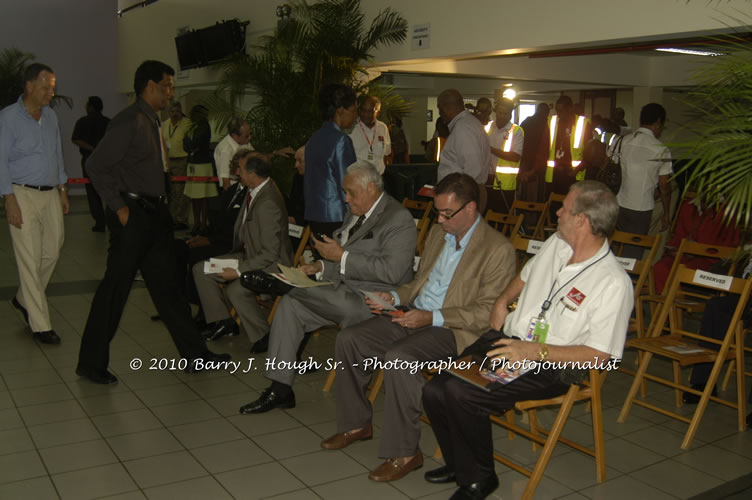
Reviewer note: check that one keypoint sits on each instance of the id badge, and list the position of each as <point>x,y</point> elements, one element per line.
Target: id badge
<point>537,330</point>
<point>370,155</point>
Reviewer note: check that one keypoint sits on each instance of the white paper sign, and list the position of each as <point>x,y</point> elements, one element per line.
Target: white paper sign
<point>294,230</point>
<point>715,280</point>
<point>534,246</point>
<point>421,36</point>
<point>627,264</point>
<point>416,262</point>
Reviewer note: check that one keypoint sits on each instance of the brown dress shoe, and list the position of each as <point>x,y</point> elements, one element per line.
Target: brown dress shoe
<point>391,470</point>
<point>344,439</point>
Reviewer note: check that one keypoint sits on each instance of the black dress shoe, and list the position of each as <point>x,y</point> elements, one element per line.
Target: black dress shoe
<point>48,337</point>
<point>208,361</point>
<point>693,399</point>
<point>261,346</point>
<point>222,328</point>
<point>441,475</point>
<point>477,491</point>
<point>104,377</point>
<point>15,303</point>
<point>268,401</point>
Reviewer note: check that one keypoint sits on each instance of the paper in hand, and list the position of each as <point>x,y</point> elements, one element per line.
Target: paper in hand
<point>378,300</point>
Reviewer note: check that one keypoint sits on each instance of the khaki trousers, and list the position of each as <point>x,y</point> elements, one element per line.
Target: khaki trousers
<point>37,247</point>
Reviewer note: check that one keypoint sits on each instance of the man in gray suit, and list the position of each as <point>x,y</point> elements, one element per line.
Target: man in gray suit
<point>373,251</point>
<point>260,241</point>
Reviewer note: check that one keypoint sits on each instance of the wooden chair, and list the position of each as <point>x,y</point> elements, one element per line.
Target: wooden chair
<point>525,249</point>
<point>528,207</point>
<point>422,223</point>
<point>549,214</point>
<point>589,390</point>
<point>506,224</point>
<point>681,347</point>
<point>688,302</point>
<point>640,271</point>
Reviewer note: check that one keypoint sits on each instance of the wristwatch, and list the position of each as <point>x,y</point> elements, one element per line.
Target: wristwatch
<point>543,353</point>
<point>62,188</point>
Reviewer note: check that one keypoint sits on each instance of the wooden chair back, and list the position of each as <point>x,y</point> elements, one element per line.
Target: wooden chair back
<point>506,224</point>
<point>422,223</point>
<point>526,208</point>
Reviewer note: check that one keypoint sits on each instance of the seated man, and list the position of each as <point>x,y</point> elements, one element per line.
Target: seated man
<point>259,242</point>
<point>464,266</point>
<point>374,251</point>
<point>578,305</point>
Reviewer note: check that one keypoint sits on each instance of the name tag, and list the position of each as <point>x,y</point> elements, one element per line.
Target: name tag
<point>715,280</point>
<point>294,230</point>
<point>627,264</point>
<point>534,246</point>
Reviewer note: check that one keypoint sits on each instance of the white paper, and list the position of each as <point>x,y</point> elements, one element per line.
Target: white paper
<point>375,298</point>
<point>534,246</point>
<point>684,349</point>
<point>295,277</point>
<point>627,264</point>
<point>294,230</point>
<point>216,266</point>
<point>715,280</point>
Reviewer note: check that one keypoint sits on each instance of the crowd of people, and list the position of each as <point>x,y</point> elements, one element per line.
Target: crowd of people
<point>573,299</point>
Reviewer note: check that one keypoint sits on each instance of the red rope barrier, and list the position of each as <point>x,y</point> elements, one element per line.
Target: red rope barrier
<point>175,178</point>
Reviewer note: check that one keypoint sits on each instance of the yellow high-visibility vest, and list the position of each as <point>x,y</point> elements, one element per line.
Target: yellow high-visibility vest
<point>506,171</point>
<point>576,145</point>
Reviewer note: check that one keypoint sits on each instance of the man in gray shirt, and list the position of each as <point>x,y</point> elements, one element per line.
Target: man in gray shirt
<point>127,169</point>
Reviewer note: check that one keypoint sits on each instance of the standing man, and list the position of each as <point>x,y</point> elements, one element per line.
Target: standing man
<point>645,164</point>
<point>87,133</point>
<point>568,133</point>
<point>370,136</point>
<point>530,180</point>
<point>466,150</point>
<point>483,110</point>
<point>174,130</point>
<point>127,169</point>
<point>505,140</point>
<point>32,181</point>
<point>260,242</point>
<point>464,265</point>
<point>576,284</point>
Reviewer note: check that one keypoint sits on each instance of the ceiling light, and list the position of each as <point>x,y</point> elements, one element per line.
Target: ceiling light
<point>509,94</point>
<point>691,52</point>
<point>508,84</point>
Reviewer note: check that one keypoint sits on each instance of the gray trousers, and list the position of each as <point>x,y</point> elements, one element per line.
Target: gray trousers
<point>304,310</point>
<point>217,301</point>
<point>388,342</point>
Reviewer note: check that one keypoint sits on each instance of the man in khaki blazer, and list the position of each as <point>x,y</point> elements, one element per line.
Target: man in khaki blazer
<point>260,241</point>
<point>465,265</point>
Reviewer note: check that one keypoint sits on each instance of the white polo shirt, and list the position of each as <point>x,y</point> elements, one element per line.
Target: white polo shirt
<point>592,310</point>
<point>643,159</point>
<point>223,153</point>
<point>466,150</point>
<point>371,144</point>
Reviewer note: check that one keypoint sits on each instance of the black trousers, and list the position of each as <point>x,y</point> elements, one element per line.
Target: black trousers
<point>459,413</point>
<point>633,221</point>
<point>96,207</point>
<point>146,243</point>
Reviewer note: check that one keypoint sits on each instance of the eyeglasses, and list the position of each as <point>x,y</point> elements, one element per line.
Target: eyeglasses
<point>435,213</point>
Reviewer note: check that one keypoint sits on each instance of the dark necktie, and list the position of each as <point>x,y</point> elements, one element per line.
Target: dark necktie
<point>356,226</point>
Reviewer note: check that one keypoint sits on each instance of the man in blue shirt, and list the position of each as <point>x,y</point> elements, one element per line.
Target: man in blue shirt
<point>32,181</point>
<point>464,267</point>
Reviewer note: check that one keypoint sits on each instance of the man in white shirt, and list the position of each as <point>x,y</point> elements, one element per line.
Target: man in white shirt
<point>238,137</point>
<point>466,150</point>
<point>370,136</point>
<point>575,310</point>
<point>645,164</point>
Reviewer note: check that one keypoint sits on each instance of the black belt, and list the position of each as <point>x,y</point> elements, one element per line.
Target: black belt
<point>38,188</point>
<point>149,198</point>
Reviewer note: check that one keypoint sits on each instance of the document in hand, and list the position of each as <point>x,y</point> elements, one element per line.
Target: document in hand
<point>215,266</point>
<point>295,277</point>
<point>474,372</point>
<point>375,298</point>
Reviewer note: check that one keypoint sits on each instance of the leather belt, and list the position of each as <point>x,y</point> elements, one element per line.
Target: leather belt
<point>139,196</point>
<point>38,188</point>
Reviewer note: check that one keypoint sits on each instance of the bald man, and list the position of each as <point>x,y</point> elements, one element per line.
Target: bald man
<point>467,150</point>
<point>370,136</point>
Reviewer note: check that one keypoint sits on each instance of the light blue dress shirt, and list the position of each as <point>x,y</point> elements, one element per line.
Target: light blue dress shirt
<point>30,150</point>
<point>431,297</point>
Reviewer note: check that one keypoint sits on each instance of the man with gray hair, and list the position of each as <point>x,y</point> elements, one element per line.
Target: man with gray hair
<point>576,309</point>
<point>372,251</point>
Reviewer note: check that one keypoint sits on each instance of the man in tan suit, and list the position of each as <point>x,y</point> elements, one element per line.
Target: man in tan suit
<point>465,265</point>
<point>260,241</point>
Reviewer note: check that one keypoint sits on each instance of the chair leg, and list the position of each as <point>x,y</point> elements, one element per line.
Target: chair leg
<point>437,453</point>
<point>329,381</point>
<point>741,393</point>
<point>727,377</point>
<point>548,448</point>
<point>678,393</point>
<point>598,445</point>
<point>378,381</point>
<point>533,419</point>
<point>510,418</point>
<point>644,362</point>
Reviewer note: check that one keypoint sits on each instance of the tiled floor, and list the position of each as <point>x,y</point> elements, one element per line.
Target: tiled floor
<point>165,434</point>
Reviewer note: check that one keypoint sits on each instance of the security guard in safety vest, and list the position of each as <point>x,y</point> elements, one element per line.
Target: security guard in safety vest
<point>506,141</point>
<point>568,134</point>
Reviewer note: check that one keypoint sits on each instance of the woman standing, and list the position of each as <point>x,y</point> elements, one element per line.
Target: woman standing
<point>196,143</point>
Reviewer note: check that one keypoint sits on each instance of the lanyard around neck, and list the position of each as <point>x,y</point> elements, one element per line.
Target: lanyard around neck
<point>373,138</point>
<point>551,294</point>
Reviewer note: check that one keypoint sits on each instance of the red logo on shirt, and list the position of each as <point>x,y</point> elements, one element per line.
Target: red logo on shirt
<point>576,296</point>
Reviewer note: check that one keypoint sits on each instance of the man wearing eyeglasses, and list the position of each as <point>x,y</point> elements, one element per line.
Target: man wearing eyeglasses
<point>464,267</point>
